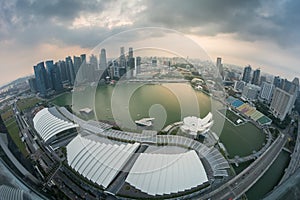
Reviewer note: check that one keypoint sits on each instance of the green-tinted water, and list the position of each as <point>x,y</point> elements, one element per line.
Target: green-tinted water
<point>270,179</point>
<point>167,103</point>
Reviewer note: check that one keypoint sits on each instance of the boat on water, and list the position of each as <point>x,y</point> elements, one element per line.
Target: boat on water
<point>144,122</point>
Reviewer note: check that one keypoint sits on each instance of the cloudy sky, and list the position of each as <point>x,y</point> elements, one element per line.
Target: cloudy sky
<point>262,33</point>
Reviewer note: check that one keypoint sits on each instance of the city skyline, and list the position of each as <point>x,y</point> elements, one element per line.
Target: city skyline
<point>268,39</point>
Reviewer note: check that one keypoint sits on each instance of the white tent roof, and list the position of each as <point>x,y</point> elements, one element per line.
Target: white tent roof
<point>98,162</point>
<point>48,122</point>
<point>158,174</point>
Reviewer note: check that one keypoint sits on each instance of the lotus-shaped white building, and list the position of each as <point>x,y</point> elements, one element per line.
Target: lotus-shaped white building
<point>194,126</point>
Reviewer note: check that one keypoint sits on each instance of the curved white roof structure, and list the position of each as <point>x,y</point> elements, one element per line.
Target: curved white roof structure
<point>159,174</point>
<point>7,192</point>
<point>194,125</point>
<point>48,122</point>
<point>98,162</point>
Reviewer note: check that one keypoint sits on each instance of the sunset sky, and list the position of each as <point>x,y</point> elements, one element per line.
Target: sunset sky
<point>262,33</point>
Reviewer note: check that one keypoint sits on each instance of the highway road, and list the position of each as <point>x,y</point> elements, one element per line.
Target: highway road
<point>237,186</point>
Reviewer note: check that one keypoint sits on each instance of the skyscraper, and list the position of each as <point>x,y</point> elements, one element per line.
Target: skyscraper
<point>277,81</point>
<point>71,70</point>
<point>49,66</point>
<point>255,78</point>
<point>284,99</point>
<point>32,85</point>
<point>219,66</point>
<point>122,62</point>
<point>54,75</point>
<point>263,79</point>
<point>138,64</point>
<point>77,63</point>
<point>266,91</point>
<point>247,74</point>
<point>64,72</point>
<point>41,79</point>
<point>130,63</point>
<point>103,62</point>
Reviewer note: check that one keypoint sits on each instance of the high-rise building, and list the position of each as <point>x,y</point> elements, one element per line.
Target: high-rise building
<point>130,63</point>
<point>130,53</point>
<point>49,66</point>
<point>284,98</point>
<point>266,91</point>
<point>263,79</point>
<point>220,67</point>
<point>70,68</point>
<point>239,85</point>
<point>103,62</point>
<point>41,79</point>
<point>256,76</point>
<point>277,81</point>
<point>122,62</point>
<point>92,67</point>
<point>138,64</point>
<point>282,103</point>
<point>54,76</point>
<point>247,74</point>
<point>250,92</point>
<point>77,63</point>
<point>64,72</point>
<point>32,85</point>
<point>154,62</point>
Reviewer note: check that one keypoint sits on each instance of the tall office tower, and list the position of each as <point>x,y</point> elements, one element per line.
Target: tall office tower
<point>286,85</point>
<point>64,72</point>
<point>122,58</point>
<point>130,63</point>
<point>77,63</point>
<point>277,81</point>
<point>115,69</point>
<point>263,79</point>
<point>154,62</point>
<point>49,66</point>
<point>255,78</point>
<point>122,62</point>
<point>247,74</point>
<point>283,100</point>
<point>219,66</point>
<point>103,62</point>
<point>56,79</point>
<point>41,79</point>
<point>54,76</point>
<point>130,52</point>
<point>83,67</point>
<point>295,89</point>
<point>250,92</point>
<point>94,61</point>
<point>71,70</point>
<point>32,85</point>
<point>266,91</point>
<point>138,62</point>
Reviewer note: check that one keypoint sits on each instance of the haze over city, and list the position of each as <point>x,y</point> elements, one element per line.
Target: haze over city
<point>263,34</point>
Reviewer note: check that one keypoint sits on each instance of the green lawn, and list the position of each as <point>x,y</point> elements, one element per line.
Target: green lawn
<point>231,116</point>
<point>24,104</point>
<point>13,130</point>
<point>7,113</point>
